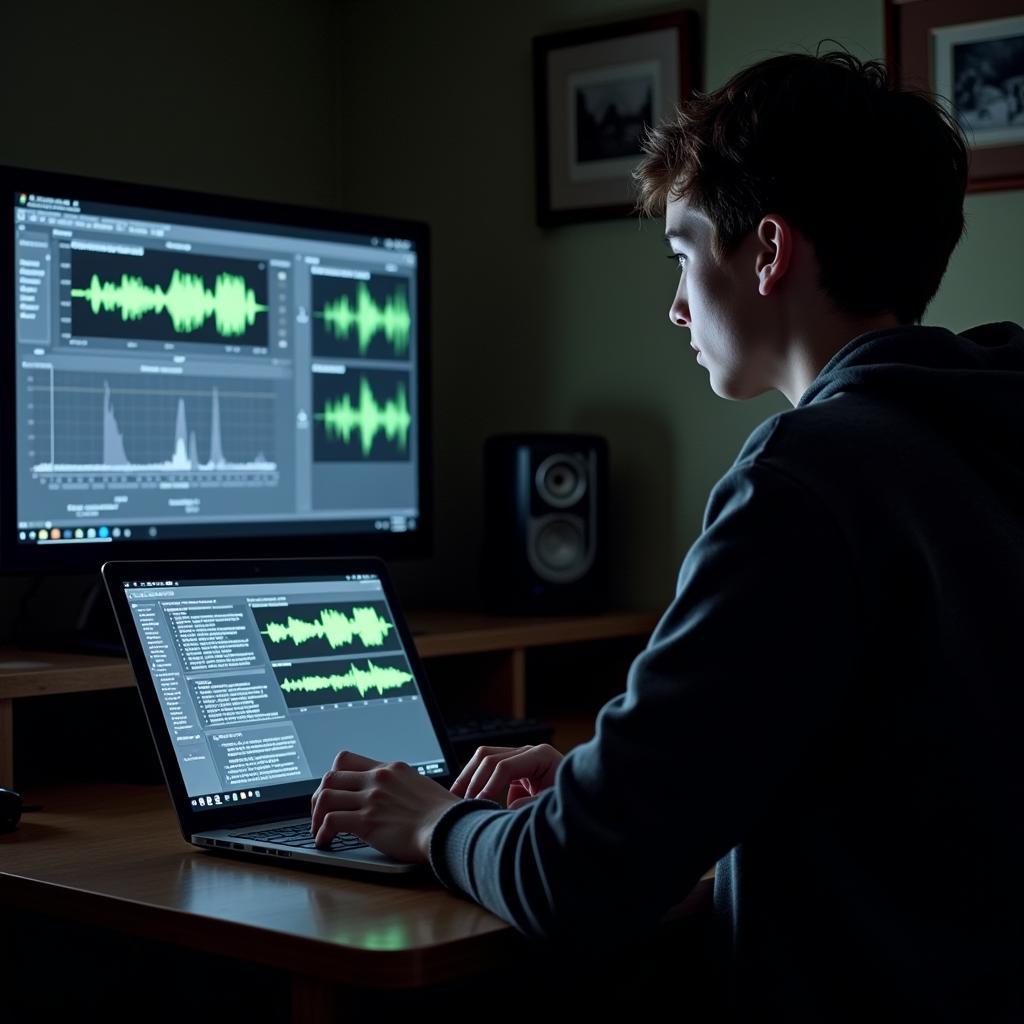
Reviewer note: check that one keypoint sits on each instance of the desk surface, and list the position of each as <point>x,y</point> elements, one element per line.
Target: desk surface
<point>113,855</point>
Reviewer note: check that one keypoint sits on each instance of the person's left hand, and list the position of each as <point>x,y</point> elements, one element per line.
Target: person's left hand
<point>388,804</point>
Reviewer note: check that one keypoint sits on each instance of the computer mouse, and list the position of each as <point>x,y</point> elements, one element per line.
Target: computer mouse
<point>10,809</point>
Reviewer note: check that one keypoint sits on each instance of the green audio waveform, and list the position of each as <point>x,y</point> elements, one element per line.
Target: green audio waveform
<point>186,300</point>
<point>340,418</point>
<point>394,319</point>
<point>333,626</point>
<point>373,677</point>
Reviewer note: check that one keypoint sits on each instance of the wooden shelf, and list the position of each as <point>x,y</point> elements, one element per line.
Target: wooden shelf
<point>38,673</point>
<point>443,633</point>
<point>490,652</point>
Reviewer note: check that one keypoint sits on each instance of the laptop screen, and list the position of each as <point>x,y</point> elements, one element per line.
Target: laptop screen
<point>263,682</point>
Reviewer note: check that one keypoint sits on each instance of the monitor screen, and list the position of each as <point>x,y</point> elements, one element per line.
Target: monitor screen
<point>260,682</point>
<point>192,374</point>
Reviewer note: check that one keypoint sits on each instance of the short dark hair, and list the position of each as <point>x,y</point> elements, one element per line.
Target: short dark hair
<point>873,175</point>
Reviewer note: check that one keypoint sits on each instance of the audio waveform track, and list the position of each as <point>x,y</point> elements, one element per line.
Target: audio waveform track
<point>313,630</point>
<point>169,296</point>
<point>361,416</point>
<point>361,318</point>
<point>330,682</point>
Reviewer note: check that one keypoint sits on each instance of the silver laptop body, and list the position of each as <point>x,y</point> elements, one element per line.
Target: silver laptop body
<point>254,674</point>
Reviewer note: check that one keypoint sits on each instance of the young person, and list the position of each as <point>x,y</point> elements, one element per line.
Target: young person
<point>830,709</point>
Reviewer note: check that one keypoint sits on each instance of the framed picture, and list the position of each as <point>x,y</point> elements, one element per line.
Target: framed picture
<point>970,53</point>
<point>594,90</point>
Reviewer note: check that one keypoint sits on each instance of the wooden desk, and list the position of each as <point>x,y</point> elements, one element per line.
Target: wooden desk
<point>491,651</point>
<point>112,855</point>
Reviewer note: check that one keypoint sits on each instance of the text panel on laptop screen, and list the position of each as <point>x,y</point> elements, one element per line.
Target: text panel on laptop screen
<point>262,683</point>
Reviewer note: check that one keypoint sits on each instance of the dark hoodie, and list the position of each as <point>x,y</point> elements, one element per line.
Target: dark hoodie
<point>831,710</point>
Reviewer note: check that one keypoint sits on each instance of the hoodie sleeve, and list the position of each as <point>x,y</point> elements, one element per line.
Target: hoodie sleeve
<point>747,670</point>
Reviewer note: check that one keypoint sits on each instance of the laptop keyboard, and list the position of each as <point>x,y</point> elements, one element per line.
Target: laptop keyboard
<point>298,837</point>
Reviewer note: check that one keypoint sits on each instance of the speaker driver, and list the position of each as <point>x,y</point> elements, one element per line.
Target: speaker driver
<point>558,549</point>
<point>561,480</point>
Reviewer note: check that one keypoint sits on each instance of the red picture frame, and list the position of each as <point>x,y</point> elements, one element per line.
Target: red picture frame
<point>919,34</point>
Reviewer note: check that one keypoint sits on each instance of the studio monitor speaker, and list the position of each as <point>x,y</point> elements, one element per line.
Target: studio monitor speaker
<point>545,523</point>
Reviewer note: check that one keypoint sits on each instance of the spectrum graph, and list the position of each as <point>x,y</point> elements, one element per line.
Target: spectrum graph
<point>338,681</point>
<point>362,416</point>
<point>361,318</point>
<point>163,296</point>
<point>316,630</point>
<point>117,424</point>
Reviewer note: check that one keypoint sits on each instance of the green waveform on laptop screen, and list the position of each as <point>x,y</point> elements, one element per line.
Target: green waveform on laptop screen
<point>334,626</point>
<point>373,677</point>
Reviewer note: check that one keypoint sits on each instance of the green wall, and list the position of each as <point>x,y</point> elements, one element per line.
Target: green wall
<point>224,96</point>
<point>567,329</point>
<point>425,110</point>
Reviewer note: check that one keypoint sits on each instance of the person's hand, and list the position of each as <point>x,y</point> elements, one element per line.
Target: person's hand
<point>523,771</point>
<point>388,804</point>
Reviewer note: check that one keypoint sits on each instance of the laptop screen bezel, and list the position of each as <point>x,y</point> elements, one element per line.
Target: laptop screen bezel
<point>116,574</point>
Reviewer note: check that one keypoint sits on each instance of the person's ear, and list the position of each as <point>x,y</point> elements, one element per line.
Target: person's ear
<point>775,248</point>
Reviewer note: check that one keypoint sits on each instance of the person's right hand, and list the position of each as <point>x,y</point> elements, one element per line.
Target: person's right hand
<point>524,771</point>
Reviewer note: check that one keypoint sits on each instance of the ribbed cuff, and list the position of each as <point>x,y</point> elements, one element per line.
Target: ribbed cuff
<point>436,851</point>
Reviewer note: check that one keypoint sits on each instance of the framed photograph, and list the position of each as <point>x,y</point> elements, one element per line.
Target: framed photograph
<point>594,91</point>
<point>970,53</point>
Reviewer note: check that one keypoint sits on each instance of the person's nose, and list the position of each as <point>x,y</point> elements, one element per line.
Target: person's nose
<point>679,311</point>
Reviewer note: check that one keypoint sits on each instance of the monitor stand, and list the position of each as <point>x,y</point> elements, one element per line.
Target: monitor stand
<point>85,625</point>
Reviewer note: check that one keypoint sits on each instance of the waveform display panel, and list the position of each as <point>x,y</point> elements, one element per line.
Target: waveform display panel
<point>362,416</point>
<point>169,296</point>
<point>320,630</point>
<point>349,679</point>
<point>370,319</point>
<point>125,423</point>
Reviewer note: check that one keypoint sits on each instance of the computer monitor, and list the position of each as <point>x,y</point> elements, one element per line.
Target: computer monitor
<point>188,374</point>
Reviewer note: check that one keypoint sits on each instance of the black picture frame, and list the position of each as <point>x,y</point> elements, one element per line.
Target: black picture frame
<point>645,66</point>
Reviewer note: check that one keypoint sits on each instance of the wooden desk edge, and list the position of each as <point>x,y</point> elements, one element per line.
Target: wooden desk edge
<point>295,954</point>
<point>285,951</point>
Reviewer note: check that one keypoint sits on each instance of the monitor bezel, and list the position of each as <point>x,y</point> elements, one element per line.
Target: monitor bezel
<point>21,557</point>
<point>115,574</point>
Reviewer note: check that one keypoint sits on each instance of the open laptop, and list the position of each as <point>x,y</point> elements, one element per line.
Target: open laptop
<point>255,674</point>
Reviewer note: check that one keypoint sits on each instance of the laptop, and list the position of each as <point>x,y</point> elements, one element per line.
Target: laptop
<point>255,674</point>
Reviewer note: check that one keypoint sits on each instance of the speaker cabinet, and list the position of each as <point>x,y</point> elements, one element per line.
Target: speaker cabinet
<point>545,523</point>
